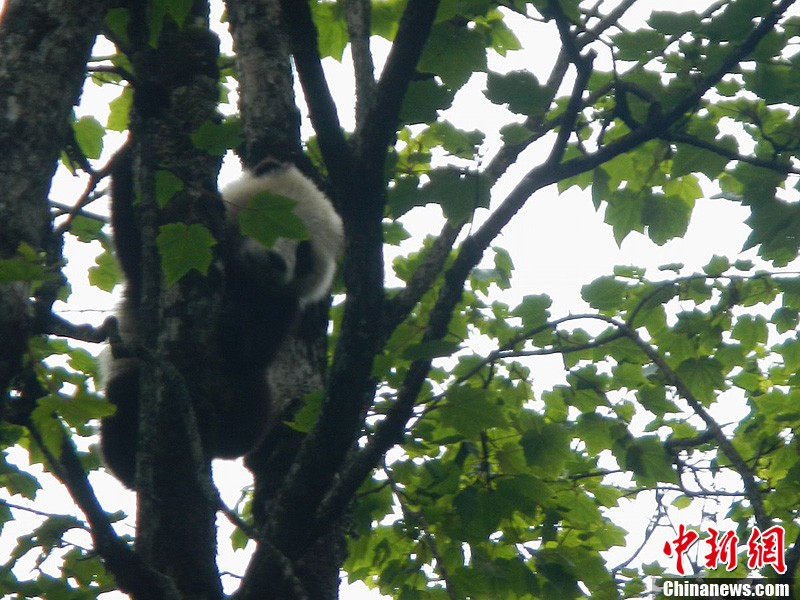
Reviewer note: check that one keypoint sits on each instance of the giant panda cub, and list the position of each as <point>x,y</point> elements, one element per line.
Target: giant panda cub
<point>265,291</point>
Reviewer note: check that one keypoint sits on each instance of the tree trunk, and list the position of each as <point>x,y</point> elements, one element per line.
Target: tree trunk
<point>44,46</point>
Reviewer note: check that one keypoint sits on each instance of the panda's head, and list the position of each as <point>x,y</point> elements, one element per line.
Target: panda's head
<point>308,265</point>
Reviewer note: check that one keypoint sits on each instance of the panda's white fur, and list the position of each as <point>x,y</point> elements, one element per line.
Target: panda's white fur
<point>322,222</point>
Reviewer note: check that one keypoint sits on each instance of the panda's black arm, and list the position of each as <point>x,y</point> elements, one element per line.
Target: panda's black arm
<point>127,233</point>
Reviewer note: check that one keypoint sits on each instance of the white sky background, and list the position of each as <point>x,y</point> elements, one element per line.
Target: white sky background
<point>558,243</point>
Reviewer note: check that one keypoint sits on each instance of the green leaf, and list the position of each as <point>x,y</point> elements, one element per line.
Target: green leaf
<point>666,217</point>
<point>167,185</point>
<point>632,45</point>
<point>546,447</point>
<point>520,90</point>
<point>89,135</point>
<point>471,411</point>
<point>750,331</point>
<point>85,229</point>
<point>27,265</point>
<point>453,53</point>
<point>736,20</point>
<point>675,267</point>
<point>448,9</point>
<point>605,293</point>
<point>598,433</point>
<point>157,15</point>
<point>671,23</point>
<point>703,376</point>
<point>431,349</point>
<point>691,159</point>
<point>120,111</point>
<point>269,217</point>
<point>785,319</point>
<point>117,20</point>
<point>654,399</point>
<point>458,193</point>
<point>218,138</point>
<point>16,481</point>
<point>105,274</point>
<point>515,133</point>
<point>790,351</point>
<point>717,266</point>
<point>394,233</point>
<point>477,513</point>
<point>385,18</point>
<point>460,143</point>
<point>76,411</point>
<point>184,248</point>
<point>179,10</point>
<point>791,292</point>
<point>502,38</point>
<point>423,101</point>
<point>404,196</point>
<point>331,29</point>
<point>533,310</point>
<point>624,213</point>
<point>650,462</point>
<point>306,417</point>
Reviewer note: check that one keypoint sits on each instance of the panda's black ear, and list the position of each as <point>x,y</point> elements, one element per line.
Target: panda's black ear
<point>268,165</point>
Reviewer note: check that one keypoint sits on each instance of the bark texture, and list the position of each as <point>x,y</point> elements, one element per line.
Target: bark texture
<point>44,46</point>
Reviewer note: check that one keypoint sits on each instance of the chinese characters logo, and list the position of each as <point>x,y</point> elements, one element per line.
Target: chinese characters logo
<point>763,548</point>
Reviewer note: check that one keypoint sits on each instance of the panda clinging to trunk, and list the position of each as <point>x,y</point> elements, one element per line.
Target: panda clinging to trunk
<point>265,291</point>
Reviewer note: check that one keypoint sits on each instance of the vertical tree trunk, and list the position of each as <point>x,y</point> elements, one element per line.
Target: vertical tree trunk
<point>44,46</point>
<point>175,92</point>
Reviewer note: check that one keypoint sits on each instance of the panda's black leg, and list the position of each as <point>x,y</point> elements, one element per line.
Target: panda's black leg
<point>119,433</point>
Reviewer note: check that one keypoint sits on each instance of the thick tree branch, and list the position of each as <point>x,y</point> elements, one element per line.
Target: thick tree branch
<point>321,107</point>
<point>270,117</point>
<point>361,200</point>
<point>359,22</point>
<point>391,429</point>
<point>56,325</point>
<point>176,92</point>
<point>380,125</point>
<point>569,42</point>
<point>583,64</point>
